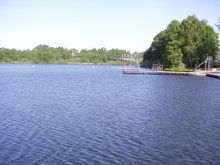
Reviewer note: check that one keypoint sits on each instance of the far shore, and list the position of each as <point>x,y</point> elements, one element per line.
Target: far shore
<point>19,62</point>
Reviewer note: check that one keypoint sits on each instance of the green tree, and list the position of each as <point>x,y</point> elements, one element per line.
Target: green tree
<point>51,55</point>
<point>187,43</point>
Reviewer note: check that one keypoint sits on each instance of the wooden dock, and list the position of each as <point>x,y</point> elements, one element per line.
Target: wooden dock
<point>151,72</point>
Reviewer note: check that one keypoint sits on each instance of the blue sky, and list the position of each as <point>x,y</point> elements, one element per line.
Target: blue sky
<point>124,24</point>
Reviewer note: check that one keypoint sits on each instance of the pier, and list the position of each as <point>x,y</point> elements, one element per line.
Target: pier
<point>150,72</point>
<point>154,72</point>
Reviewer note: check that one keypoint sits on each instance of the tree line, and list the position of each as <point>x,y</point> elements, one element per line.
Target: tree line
<point>44,54</point>
<point>183,45</point>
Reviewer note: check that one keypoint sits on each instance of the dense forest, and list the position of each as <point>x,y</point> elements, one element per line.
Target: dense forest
<point>183,45</point>
<point>44,54</point>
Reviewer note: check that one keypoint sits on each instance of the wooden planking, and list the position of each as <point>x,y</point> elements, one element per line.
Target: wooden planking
<point>136,71</point>
<point>150,72</point>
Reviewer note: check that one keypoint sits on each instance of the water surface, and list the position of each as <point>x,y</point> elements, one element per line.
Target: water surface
<point>90,114</point>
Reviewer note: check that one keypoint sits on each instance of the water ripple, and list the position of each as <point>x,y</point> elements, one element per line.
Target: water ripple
<point>73,114</point>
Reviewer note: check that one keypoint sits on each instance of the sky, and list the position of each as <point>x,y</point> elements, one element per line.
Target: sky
<point>123,24</point>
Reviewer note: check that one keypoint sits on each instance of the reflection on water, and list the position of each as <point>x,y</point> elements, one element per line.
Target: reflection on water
<point>86,114</point>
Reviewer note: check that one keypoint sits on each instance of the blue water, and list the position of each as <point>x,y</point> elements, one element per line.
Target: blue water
<point>90,114</point>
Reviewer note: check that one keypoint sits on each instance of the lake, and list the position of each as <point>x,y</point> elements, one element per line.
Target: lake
<point>93,114</point>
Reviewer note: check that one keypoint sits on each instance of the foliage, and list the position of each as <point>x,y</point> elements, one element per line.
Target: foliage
<point>182,44</point>
<point>49,55</point>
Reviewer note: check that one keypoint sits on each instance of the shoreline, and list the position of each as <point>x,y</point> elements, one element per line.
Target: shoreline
<point>61,63</point>
<point>144,71</point>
